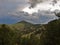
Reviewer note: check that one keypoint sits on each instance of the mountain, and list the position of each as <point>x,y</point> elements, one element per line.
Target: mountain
<point>25,26</point>
<point>25,33</point>
<point>51,35</point>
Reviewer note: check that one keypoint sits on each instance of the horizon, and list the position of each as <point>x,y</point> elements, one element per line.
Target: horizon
<point>12,11</point>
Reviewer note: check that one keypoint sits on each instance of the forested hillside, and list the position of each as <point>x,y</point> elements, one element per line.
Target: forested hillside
<point>24,33</point>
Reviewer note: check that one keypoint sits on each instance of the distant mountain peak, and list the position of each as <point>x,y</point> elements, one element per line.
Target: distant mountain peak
<point>23,21</point>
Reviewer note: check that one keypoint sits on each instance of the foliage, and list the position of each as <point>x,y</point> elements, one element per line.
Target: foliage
<point>24,33</point>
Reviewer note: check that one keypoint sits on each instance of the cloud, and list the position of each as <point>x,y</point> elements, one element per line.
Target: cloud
<point>35,2</point>
<point>42,17</point>
<point>45,5</point>
<point>33,15</point>
<point>13,8</point>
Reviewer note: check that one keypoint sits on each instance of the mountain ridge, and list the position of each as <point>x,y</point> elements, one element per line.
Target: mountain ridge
<point>24,34</point>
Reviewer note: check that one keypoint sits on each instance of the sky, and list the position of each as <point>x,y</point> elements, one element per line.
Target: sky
<point>9,6</point>
<point>12,11</point>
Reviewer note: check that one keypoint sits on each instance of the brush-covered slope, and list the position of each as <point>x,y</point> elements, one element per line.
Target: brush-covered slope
<point>25,33</point>
<point>52,34</point>
<point>25,27</point>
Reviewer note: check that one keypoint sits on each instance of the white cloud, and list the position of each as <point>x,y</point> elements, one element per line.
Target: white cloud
<point>46,5</point>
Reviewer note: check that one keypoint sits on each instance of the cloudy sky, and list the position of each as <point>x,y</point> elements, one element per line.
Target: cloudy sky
<point>9,6</point>
<point>12,11</point>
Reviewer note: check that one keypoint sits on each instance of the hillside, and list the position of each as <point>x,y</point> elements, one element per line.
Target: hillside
<point>25,33</point>
<point>25,27</point>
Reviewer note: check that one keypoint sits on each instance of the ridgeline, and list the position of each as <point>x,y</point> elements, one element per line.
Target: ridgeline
<point>24,33</point>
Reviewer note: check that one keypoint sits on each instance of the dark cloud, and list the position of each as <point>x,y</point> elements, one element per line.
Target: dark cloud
<point>34,2</point>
